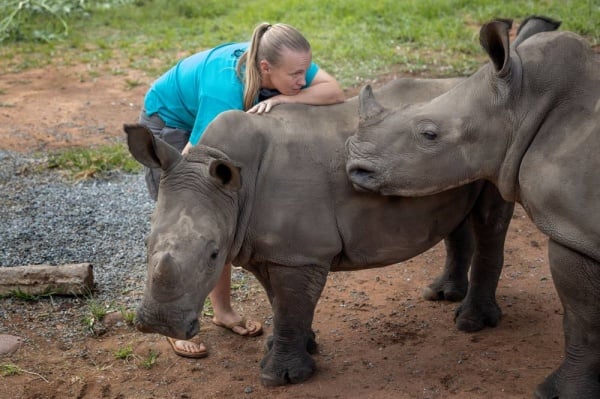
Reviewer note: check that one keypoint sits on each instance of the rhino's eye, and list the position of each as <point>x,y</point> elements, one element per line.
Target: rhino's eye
<point>429,135</point>
<point>214,254</point>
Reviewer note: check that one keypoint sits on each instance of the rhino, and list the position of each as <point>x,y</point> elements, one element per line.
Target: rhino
<point>269,193</point>
<point>528,122</point>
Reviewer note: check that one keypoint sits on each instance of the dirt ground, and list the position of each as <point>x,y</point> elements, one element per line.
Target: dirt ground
<point>378,338</point>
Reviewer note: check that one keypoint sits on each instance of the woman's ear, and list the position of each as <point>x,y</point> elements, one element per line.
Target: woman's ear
<point>264,66</point>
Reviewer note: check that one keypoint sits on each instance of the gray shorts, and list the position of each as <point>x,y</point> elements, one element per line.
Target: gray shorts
<point>178,138</point>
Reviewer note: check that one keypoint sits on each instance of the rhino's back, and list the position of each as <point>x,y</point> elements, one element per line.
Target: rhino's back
<point>303,208</point>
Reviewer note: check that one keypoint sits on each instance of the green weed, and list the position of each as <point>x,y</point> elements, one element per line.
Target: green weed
<point>26,296</point>
<point>150,360</point>
<point>128,315</point>
<point>82,163</point>
<point>9,369</point>
<point>125,353</point>
<point>96,311</point>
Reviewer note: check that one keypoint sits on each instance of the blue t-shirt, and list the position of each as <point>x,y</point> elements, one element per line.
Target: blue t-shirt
<point>192,93</point>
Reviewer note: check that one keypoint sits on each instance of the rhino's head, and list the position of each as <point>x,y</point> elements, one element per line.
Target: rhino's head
<point>192,230</point>
<point>422,149</point>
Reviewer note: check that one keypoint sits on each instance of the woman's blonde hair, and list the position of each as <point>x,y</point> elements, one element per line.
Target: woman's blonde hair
<point>268,42</point>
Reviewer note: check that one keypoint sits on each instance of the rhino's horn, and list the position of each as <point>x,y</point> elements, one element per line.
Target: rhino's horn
<point>368,107</point>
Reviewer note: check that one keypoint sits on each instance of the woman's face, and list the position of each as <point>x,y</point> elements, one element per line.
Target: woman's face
<point>290,75</point>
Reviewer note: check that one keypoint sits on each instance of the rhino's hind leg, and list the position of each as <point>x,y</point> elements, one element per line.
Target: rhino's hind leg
<point>491,217</point>
<point>452,284</point>
<point>296,291</point>
<point>577,281</point>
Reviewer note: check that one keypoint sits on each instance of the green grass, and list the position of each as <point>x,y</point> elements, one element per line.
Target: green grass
<point>96,310</point>
<point>353,39</point>
<point>149,361</point>
<point>125,353</point>
<point>128,315</point>
<point>9,369</point>
<point>83,163</point>
<point>25,296</point>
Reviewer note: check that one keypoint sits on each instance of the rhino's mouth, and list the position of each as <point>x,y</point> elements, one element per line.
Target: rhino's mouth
<point>179,329</point>
<point>363,176</point>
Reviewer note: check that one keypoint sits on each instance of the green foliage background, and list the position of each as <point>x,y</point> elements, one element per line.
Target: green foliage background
<point>352,39</point>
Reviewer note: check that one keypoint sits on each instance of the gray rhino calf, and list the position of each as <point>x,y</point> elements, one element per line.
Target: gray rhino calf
<point>529,122</point>
<point>270,193</point>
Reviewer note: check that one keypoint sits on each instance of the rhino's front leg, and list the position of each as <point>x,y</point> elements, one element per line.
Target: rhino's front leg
<point>452,284</point>
<point>577,281</point>
<point>490,217</point>
<point>295,292</point>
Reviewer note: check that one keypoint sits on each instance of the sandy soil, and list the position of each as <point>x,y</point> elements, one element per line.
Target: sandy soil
<point>378,338</point>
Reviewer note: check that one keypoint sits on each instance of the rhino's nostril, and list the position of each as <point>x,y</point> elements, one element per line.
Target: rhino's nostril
<point>361,173</point>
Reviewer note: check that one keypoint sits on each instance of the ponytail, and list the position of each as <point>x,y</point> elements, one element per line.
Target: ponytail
<point>251,77</point>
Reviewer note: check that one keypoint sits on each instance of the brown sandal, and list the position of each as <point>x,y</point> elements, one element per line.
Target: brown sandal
<point>246,324</point>
<point>183,353</point>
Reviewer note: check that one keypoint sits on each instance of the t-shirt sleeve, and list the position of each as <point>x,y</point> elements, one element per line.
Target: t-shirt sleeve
<point>311,73</point>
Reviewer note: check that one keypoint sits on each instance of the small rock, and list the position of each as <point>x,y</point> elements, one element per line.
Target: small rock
<point>113,319</point>
<point>9,343</point>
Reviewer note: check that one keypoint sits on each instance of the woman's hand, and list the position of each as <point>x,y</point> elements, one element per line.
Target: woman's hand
<point>264,106</point>
<point>187,148</point>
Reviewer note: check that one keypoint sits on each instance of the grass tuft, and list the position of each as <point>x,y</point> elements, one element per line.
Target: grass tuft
<point>84,163</point>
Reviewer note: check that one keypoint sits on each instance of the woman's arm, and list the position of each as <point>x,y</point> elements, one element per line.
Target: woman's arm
<point>323,90</point>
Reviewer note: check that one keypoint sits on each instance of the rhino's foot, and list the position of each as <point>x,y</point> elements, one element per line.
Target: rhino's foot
<point>311,345</point>
<point>567,382</point>
<point>471,317</point>
<point>289,369</point>
<point>446,289</point>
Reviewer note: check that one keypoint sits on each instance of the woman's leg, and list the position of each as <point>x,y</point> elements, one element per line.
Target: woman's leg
<point>225,316</point>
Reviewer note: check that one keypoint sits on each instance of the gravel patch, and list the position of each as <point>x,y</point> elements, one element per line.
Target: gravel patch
<point>46,219</point>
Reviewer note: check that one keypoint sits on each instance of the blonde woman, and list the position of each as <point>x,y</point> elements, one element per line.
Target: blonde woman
<point>275,67</point>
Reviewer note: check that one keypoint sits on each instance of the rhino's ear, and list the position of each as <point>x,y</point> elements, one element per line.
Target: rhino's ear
<point>226,173</point>
<point>532,25</point>
<point>494,38</point>
<point>368,107</point>
<point>149,150</point>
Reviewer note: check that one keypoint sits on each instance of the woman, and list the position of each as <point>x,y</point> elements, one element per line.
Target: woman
<point>275,67</point>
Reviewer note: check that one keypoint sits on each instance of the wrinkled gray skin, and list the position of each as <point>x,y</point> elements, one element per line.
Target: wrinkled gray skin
<point>529,122</point>
<point>280,205</point>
